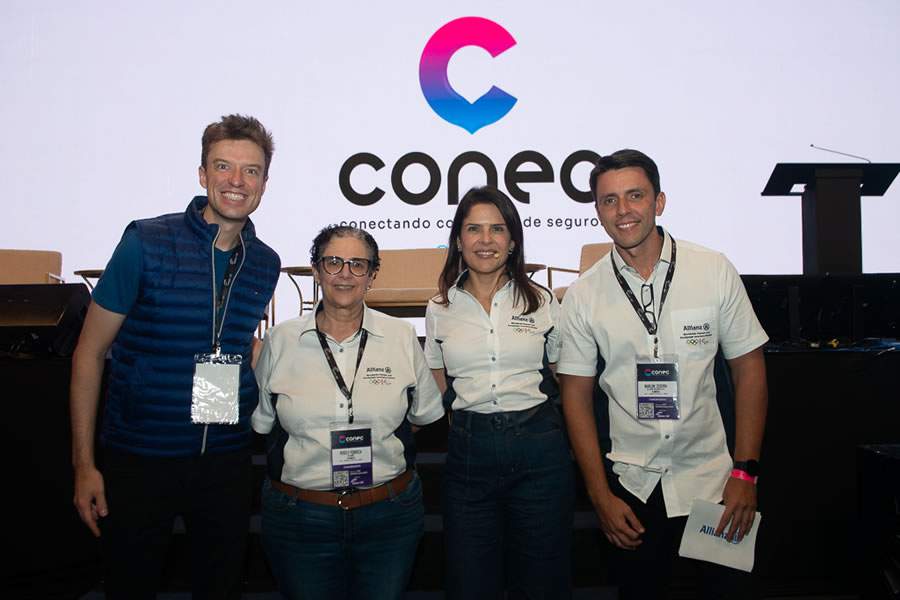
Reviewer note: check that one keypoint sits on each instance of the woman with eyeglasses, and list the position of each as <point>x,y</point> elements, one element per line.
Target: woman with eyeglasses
<point>491,340</point>
<point>341,390</point>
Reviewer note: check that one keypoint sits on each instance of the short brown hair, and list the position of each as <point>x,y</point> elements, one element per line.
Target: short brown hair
<point>238,127</point>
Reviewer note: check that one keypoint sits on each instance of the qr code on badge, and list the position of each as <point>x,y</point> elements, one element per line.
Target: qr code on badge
<point>645,410</point>
<point>341,479</point>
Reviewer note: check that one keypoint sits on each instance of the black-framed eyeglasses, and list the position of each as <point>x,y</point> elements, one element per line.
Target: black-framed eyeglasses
<point>647,302</point>
<point>359,267</point>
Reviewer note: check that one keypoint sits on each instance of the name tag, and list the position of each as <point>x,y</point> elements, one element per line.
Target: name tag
<point>657,388</point>
<point>351,455</point>
<point>215,394</point>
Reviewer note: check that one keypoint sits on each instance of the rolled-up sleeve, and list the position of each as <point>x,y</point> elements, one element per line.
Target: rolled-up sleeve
<point>578,348</point>
<point>264,416</point>
<point>426,406</point>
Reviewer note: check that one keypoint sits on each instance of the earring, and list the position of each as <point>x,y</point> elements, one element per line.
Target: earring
<point>458,247</point>
<point>510,251</point>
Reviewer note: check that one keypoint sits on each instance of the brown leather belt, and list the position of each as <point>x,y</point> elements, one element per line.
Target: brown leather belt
<point>352,498</point>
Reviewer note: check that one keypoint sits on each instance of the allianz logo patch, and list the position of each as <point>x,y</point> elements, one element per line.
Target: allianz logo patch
<point>696,334</point>
<point>379,375</point>
<point>522,323</point>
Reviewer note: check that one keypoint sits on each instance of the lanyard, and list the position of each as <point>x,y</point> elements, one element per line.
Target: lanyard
<point>338,378</point>
<point>650,327</point>
<point>234,262</point>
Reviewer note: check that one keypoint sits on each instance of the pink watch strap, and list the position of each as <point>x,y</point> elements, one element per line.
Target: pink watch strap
<point>739,474</point>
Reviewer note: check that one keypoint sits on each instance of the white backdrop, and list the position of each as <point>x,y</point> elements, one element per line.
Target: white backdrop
<point>103,106</point>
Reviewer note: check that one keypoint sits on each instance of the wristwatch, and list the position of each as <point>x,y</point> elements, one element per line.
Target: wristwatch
<point>750,467</point>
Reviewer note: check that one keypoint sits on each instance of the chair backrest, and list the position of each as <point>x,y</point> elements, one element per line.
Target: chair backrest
<point>591,253</point>
<point>30,266</point>
<point>410,268</point>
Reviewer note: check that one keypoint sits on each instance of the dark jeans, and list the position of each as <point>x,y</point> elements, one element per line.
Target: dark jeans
<point>324,552</point>
<point>212,493</point>
<point>508,498</point>
<point>646,573</point>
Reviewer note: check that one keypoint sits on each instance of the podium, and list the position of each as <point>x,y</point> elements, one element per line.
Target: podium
<point>832,229</point>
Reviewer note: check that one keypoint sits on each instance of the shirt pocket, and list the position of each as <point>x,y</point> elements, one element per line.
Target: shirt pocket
<point>695,332</point>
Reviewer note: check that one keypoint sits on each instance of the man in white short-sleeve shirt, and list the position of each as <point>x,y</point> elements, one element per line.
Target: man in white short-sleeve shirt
<point>653,313</point>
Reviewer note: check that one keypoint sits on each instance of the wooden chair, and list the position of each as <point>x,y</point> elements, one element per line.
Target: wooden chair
<point>406,281</point>
<point>590,254</point>
<point>30,266</point>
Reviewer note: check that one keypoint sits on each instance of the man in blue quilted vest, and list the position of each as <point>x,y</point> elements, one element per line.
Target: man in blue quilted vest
<point>177,308</point>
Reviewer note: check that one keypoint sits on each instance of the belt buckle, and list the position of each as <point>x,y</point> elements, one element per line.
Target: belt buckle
<point>341,495</point>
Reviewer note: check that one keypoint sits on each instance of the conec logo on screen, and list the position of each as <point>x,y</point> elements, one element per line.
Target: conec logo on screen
<point>443,99</point>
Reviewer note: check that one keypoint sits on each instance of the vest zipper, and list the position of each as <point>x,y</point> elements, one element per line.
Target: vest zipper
<point>216,348</point>
<point>236,273</point>
<point>212,262</point>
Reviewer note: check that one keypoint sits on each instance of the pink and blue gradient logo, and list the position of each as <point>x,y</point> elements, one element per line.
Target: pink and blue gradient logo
<point>443,99</point>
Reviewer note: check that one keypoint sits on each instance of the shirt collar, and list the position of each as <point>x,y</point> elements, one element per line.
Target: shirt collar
<point>371,321</point>
<point>458,286</point>
<point>665,255</point>
<point>193,216</point>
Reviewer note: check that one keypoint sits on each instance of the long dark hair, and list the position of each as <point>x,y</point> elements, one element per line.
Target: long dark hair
<point>525,289</point>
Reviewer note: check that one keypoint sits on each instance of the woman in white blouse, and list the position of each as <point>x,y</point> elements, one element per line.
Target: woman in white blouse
<point>340,392</point>
<point>491,340</point>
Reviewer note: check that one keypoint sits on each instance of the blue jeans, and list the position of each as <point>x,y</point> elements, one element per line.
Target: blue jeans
<point>508,500</point>
<point>323,552</point>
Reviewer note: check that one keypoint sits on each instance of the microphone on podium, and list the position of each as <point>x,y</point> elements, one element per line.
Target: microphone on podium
<point>841,153</point>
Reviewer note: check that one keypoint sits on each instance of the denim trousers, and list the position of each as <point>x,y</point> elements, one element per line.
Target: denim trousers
<point>326,552</point>
<point>508,495</point>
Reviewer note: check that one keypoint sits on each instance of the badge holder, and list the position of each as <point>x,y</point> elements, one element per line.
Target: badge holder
<point>216,391</point>
<point>351,455</point>
<point>657,388</point>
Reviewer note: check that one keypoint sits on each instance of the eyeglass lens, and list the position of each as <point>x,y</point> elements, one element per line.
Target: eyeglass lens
<point>335,264</point>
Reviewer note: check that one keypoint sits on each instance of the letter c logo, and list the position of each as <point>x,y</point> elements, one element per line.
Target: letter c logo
<point>443,99</point>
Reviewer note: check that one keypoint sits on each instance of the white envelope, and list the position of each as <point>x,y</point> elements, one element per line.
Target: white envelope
<point>700,542</point>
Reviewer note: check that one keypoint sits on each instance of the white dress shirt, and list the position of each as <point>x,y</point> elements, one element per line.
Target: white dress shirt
<point>496,362</point>
<point>393,383</point>
<point>706,307</point>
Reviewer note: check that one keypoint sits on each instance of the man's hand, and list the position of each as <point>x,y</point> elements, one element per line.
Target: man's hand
<point>740,509</point>
<point>619,523</point>
<point>90,497</point>
<point>100,329</point>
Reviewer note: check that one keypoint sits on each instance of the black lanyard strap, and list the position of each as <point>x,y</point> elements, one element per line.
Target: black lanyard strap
<point>338,378</point>
<point>234,262</point>
<point>650,327</point>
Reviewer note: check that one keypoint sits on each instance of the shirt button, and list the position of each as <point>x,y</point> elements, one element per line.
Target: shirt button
<point>340,350</point>
<point>492,331</point>
<point>493,386</point>
<point>668,436</point>
<point>495,304</point>
<point>493,358</point>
